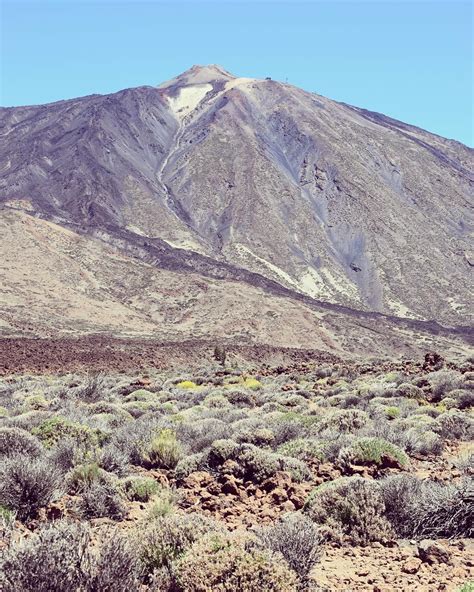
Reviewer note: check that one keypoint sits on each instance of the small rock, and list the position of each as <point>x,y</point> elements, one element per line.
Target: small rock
<point>279,495</point>
<point>411,566</point>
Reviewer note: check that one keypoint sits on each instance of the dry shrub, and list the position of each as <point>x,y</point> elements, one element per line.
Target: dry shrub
<point>298,540</point>
<point>232,563</point>
<point>28,484</point>
<point>351,509</point>
<point>423,509</point>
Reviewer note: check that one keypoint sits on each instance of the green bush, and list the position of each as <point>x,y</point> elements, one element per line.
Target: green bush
<point>51,431</point>
<point>344,420</point>
<point>139,489</point>
<point>83,476</point>
<point>141,395</point>
<point>168,537</point>
<point>229,563</point>
<point>35,403</point>
<point>373,451</point>
<point>303,449</point>
<point>163,503</point>
<point>257,464</point>
<point>163,452</point>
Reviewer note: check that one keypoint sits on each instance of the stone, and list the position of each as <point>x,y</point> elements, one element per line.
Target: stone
<point>432,552</point>
<point>230,485</point>
<point>411,566</point>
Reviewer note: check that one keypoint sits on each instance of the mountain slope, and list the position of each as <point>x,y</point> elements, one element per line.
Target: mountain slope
<point>253,181</point>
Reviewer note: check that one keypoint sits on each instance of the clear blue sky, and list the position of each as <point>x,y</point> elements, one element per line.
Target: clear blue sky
<point>409,60</point>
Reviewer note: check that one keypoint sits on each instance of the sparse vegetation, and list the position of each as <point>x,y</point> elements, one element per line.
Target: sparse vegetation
<point>226,478</point>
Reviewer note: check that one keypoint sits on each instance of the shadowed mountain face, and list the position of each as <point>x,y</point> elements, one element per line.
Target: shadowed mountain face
<point>238,180</point>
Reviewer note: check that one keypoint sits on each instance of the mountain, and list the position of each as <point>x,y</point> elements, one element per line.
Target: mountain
<point>247,209</point>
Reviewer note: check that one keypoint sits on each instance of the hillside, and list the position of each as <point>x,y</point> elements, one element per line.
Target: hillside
<point>232,207</point>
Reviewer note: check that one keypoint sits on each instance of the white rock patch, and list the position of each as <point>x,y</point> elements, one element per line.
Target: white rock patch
<point>188,99</point>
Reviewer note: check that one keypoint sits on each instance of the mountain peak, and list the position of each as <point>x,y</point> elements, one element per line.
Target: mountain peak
<point>199,74</point>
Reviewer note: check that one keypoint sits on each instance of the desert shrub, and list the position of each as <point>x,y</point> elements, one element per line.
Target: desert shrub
<point>372,450</point>
<point>163,503</point>
<point>391,412</point>
<point>297,539</point>
<point>140,408</point>
<point>14,441</point>
<point>167,537</point>
<point>286,428</point>
<point>420,441</point>
<point>293,401</point>
<point>7,527</point>
<point>139,489</point>
<point>333,443</point>
<point>141,395</point>
<point>351,508</point>
<point>28,484</point>
<point>463,399</point>
<point>106,422</point>
<point>83,476</point>
<point>344,420</point>
<point>51,431</point>
<point>428,509</point>
<point>163,451</point>
<point>101,499</point>
<point>298,469</point>
<point>256,464</point>
<point>351,400</point>
<point>409,391</point>
<point>465,462</point>
<point>66,454</point>
<point>220,451</point>
<point>35,403</point>
<point>199,434</point>
<point>53,560</point>
<point>116,568</point>
<point>113,460</point>
<point>442,382</point>
<point>303,449</point>
<point>215,400</point>
<point>252,431</point>
<point>394,377</point>
<point>455,425</point>
<point>189,464</point>
<point>132,438</point>
<point>241,398</point>
<point>92,389</point>
<point>228,563</point>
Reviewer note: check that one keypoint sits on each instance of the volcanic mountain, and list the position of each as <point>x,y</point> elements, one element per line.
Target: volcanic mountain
<point>216,206</point>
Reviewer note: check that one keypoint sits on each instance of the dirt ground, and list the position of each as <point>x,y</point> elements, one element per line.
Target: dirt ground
<point>37,356</point>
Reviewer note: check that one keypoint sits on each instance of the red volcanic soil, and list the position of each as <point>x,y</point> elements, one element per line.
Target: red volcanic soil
<point>37,356</point>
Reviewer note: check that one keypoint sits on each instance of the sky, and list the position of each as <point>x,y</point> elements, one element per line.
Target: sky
<point>410,60</point>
